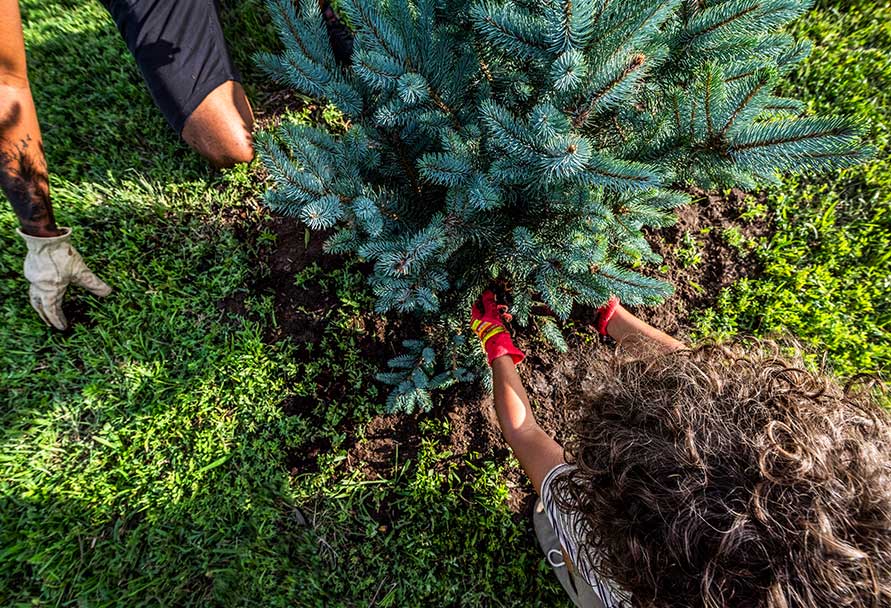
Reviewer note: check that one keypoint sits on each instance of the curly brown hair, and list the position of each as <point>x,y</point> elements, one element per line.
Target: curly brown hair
<point>731,475</point>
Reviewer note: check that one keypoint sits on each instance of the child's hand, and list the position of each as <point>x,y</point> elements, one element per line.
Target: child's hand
<point>487,321</point>
<point>605,314</point>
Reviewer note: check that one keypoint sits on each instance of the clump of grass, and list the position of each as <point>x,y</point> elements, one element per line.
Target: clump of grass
<point>688,252</point>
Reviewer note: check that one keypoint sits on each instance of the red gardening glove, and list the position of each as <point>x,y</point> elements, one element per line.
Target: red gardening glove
<point>605,313</point>
<point>487,323</point>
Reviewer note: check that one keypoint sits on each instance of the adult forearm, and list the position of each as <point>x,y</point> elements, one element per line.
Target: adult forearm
<point>23,171</point>
<point>23,174</point>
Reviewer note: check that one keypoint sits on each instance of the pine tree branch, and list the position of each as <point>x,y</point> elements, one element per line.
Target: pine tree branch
<point>295,32</point>
<point>644,284</point>
<point>692,121</point>
<point>835,131</point>
<point>676,108</point>
<point>581,117</point>
<point>740,76</point>
<point>484,67</point>
<point>310,80</point>
<point>567,17</point>
<point>621,44</point>
<point>512,34</point>
<point>617,218</point>
<point>603,6</point>
<point>779,104</point>
<point>443,169</point>
<point>495,114</point>
<point>727,21</point>
<point>360,60</point>
<point>619,176</point>
<point>319,139</point>
<point>685,12</point>
<point>285,172</point>
<point>765,80</point>
<point>444,107</point>
<point>565,27</point>
<point>614,29</point>
<point>620,130</point>
<point>410,170</point>
<point>852,154</point>
<point>708,103</point>
<point>630,175</point>
<point>369,23</point>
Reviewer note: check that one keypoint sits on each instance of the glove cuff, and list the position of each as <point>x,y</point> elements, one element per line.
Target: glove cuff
<point>500,345</point>
<point>605,313</point>
<point>38,244</point>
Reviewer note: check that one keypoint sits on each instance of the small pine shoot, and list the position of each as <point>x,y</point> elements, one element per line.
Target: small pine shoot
<point>415,374</point>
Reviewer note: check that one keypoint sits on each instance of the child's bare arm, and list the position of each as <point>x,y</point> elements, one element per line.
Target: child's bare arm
<point>537,452</point>
<point>627,329</point>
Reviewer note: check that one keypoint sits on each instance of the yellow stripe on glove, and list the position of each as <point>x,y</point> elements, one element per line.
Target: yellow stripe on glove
<point>486,321</point>
<point>495,331</point>
<point>479,326</point>
<point>485,330</point>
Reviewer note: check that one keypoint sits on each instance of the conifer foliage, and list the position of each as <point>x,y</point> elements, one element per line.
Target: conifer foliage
<point>529,142</point>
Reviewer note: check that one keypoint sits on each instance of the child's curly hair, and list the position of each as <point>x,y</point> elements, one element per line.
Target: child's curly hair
<point>729,475</point>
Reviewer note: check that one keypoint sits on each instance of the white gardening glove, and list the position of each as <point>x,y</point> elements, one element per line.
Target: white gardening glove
<point>50,265</point>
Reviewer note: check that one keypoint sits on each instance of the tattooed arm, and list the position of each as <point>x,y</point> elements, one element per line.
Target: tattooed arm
<point>52,263</point>
<point>23,171</point>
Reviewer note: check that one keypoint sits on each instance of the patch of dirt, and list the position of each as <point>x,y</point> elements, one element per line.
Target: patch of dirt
<point>551,380</point>
<point>272,107</point>
<point>389,440</point>
<point>301,313</point>
<point>698,285</point>
<point>304,460</point>
<point>77,312</point>
<point>299,310</point>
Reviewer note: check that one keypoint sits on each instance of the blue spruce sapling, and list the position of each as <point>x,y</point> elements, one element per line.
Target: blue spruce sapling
<point>530,141</point>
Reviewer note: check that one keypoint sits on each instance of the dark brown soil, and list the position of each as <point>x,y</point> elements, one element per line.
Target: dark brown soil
<point>473,428</point>
<point>77,312</point>
<point>273,106</point>
<point>551,378</point>
<point>698,286</point>
<point>299,312</point>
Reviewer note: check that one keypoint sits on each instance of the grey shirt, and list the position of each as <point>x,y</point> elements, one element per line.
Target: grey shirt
<point>569,527</point>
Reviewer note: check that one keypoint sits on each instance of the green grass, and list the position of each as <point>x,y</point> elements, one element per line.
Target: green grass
<point>827,268</point>
<point>144,455</point>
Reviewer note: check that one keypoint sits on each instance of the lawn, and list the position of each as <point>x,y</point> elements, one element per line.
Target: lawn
<point>162,451</point>
<point>827,269</point>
